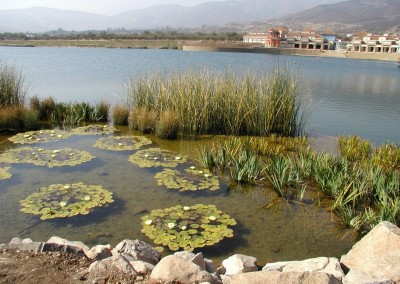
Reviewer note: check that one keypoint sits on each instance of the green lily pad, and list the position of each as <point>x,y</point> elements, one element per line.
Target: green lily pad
<point>4,173</point>
<point>95,129</point>
<point>179,233</point>
<point>46,157</point>
<point>39,136</point>
<point>122,143</point>
<point>190,179</point>
<point>156,157</point>
<point>65,200</point>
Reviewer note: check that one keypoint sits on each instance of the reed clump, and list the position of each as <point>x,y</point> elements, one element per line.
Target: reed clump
<point>205,102</point>
<point>13,89</point>
<point>120,115</point>
<point>363,183</point>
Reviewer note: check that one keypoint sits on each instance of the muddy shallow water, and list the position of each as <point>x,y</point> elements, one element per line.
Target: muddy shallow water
<point>283,232</point>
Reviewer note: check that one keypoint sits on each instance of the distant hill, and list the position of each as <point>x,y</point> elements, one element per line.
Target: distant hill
<point>176,16</point>
<point>375,16</point>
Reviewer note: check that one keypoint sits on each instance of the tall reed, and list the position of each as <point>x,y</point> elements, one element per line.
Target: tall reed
<point>13,89</point>
<point>206,102</point>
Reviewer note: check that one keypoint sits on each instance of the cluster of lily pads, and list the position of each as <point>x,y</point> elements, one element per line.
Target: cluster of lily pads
<point>4,173</point>
<point>94,129</point>
<point>156,157</point>
<point>65,200</point>
<point>122,143</point>
<point>46,157</point>
<point>187,227</point>
<point>191,179</point>
<point>41,136</point>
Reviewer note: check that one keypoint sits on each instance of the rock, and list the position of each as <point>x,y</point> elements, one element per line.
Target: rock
<point>110,265</point>
<point>377,254</point>
<point>276,277</point>
<point>188,255</point>
<point>61,241</point>
<point>139,250</point>
<point>15,240</point>
<point>27,241</point>
<point>239,263</point>
<point>199,260</point>
<point>357,277</point>
<point>141,267</point>
<point>99,252</point>
<point>226,279</point>
<point>319,264</point>
<point>174,268</point>
<point>35,247</point>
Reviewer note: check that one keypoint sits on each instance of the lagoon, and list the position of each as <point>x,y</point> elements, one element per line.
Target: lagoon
<point>349,96</point>
<point>357,97</point>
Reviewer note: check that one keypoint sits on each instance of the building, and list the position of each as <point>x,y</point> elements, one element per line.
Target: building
<point>366,42</point>
<point>283,38</point>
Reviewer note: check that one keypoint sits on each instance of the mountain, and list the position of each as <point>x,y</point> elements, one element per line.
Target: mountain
<point>375,16</point>
<point>210,13</point>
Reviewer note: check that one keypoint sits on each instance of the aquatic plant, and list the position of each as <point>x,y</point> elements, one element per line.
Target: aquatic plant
<point>46,157</point>
<point>386,156</point>
<point>167,126</point>
<point>12,87</point>
<point>120,115</point>
<point>190,179</point>
<point>156,157</point>
<point>122,143</point>
<point>283,176</point>
<point>39,136</point>
<point>4,173</point>
<point>45,107</point>
<point>353,148</point>
<point>65,200</point>
<point>94,129</point>
<point>187,227</point>
<point>207,102</point>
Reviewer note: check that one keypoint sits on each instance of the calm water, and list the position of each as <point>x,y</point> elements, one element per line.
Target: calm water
<point>357,97</point>
<point>354,97</point>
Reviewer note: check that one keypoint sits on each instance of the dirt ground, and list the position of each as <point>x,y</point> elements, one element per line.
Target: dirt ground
<point>54,267</point>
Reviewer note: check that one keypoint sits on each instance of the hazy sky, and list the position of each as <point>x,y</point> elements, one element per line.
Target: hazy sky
<point>107,7</point>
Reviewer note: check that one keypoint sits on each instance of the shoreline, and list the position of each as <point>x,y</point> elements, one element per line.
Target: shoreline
<point>392,57</point>
<point>193,45</point>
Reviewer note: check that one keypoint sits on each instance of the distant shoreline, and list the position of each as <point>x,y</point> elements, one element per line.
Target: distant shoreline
<point>193,45</point>
<point>297,52</point>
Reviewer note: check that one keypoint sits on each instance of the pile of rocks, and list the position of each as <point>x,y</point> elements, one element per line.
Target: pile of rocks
<point>374,259</point>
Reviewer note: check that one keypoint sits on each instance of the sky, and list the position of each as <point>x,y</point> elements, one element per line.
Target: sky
<point>105,7</point>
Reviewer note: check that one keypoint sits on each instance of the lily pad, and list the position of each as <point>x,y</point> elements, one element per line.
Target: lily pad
<point>95,129</point>
<point>39,136</point>
<point>65,200</point>
<point>122,143</point>
<point>156,157</point>
<point>4,173</point>
<point>178,233</point>
<point>191,179</point>
<point>46,157</point>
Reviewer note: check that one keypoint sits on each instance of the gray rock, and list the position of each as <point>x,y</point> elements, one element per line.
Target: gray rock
<point>174,268</point>
<point>35,247</point>
<point>15,240</point>
<point>188,255</point>
<point>141,267</point>
<point>139,250</point>
<point>199,260</point>
<point>377,254</point>
<point>110,265</point>
<point>357,277</point>
<point>51,247</point>
<point>276,277</point>
<point>319,264</point>
<point>239,263</point>
<point>99,252</point>
<point>61,241</point>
